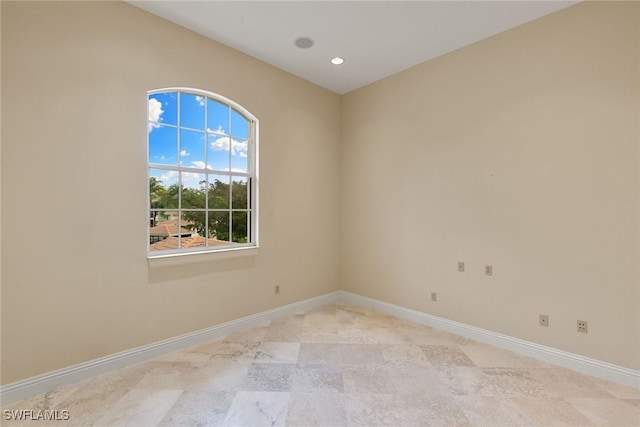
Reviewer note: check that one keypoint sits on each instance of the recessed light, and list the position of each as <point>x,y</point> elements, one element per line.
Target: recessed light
<point>337,61</point>
<point>303,42</point>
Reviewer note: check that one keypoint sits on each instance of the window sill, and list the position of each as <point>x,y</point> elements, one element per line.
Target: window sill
<point>195,257</point>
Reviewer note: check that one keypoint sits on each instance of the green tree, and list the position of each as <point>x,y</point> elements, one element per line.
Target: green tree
<point>219,214</point>
<point>156,194</point>
<point>170,198</point>
<point>219,221</point>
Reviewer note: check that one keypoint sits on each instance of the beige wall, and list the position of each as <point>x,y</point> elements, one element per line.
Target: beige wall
<point>520,151</point>
<point>75,281</point>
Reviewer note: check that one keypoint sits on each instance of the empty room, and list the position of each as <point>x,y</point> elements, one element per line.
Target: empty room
<point>320,213</point>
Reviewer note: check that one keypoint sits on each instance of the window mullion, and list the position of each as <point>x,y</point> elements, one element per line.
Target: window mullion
<point>192,169</point>
<point>179,181</point>
<point>148,184</point>
<point>230,177</point>
<point>206,163</point>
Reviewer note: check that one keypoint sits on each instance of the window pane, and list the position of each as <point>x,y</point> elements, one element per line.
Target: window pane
<point>194,187</point>
<point>219,225</point>
<point>239,221</point>
<point>218,147</point>
<point>163,108</point>
<point>163,145</point>
<point>239,193</point>
<point>192,111</point>
<point>239,155</point>
<point>239,125</point>
<point>163,189</point>
<point>217,117</point>
<point>212,243</point>
<point>193,229</point>
<point>164,235</point>
<point>192,149</point>
<point>162,243</point>
<point>153,218</point>
<point>218,192</point>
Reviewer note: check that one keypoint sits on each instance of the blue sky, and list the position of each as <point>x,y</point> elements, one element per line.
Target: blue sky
<point>214,132</point>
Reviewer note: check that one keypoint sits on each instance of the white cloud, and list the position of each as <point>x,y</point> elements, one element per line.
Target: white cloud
<point>192,180</point>
<point>185,153</point>
<point>167,178</point>
<point>189,179</point>
<point>200,100</point>
<point>155,113</point>
<point>238,148</point>
<point>200,164</point>
<point>219,130</point>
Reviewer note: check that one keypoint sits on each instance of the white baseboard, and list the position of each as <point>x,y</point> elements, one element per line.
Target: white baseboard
<point>46,382</point>
<point>586,365</point>
<point>51,380</point>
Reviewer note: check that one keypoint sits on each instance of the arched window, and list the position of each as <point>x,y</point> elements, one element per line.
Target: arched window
<point>202,171</point>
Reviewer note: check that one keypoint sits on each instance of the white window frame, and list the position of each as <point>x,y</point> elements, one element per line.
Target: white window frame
<point>177,256</point>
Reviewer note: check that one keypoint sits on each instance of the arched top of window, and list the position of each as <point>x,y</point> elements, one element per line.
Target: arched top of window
<point>202,98</point>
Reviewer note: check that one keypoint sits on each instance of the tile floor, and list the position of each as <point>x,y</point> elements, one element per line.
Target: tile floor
<point>341,365</point>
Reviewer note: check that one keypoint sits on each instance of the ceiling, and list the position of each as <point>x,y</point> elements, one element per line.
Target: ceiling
<point>376,38</point>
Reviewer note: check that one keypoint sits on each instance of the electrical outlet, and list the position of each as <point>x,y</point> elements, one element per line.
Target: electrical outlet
<point>277,289</point>
<point>434,296</point>
<point>582,326</point>
<point>461,267</point>
<point>544,320</point>
<point>488,270</point>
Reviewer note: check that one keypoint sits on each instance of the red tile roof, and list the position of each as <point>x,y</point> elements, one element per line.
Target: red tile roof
<point>168,229</point>
<point>187,242</point>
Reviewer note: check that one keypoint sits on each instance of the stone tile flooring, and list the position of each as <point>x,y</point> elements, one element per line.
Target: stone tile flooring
<point>341,365</point>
